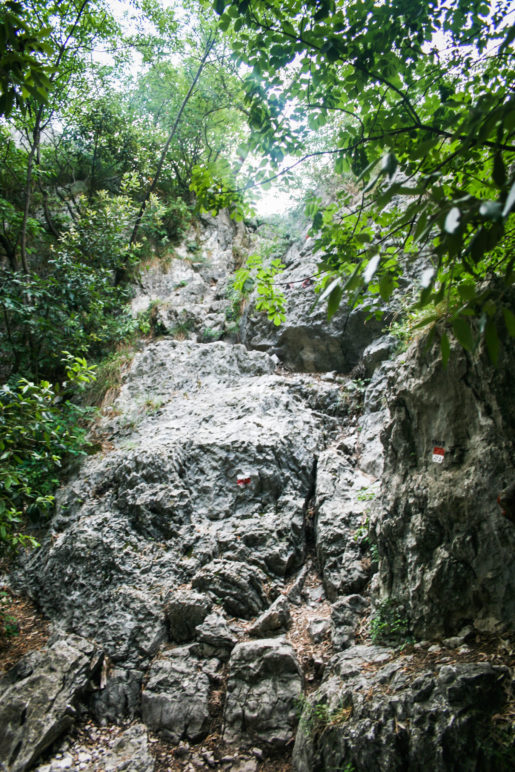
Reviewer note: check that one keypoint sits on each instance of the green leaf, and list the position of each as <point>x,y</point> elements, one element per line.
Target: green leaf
<point>427,277</point>
<point>371,268</point>
<point>386,285</point>
<point>334,301</point>
<point>491,210</point>
<point>467,291</point>
<point>499,171</point>
<point>389,164</point>
<point>366,170</point>
<point>220,6</point>
<point>445,348</point>
<point>479,245</point>
<point>492,341</point>
<point>328,290</point>
<point>463,333</point>
<point>509,320</point>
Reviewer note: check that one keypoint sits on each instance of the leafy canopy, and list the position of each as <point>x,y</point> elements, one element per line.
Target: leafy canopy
<point>418,98</point>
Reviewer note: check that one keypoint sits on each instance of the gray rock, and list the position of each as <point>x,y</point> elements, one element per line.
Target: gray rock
<point>148,516</point>
<point>175,698</point>
<point>318,629</point>
<point>119,697</point>
<point>276,619</point>
<point>39,698</point>
<point>307,341</point>
<point>372,421</point>
<point>446,553</point>
<point>376,352</point>
<point>384,718</point>
<point>238,587</point>
<point>345,615</point>
<point>185,609</point>
<point>344,497</point>
<point>189,296</point>
<point>215,637</point>
<point>295,591</point>
<point>128,752</point>
<point>263,686</point>
<point>212,483</point>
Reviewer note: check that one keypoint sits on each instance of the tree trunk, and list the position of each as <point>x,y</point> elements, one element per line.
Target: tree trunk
<point>209,45</point>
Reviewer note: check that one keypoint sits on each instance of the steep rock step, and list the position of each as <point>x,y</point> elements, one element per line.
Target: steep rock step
<point>204,493</point>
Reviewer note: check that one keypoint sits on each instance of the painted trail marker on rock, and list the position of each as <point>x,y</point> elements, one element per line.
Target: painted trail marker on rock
<point>438,454</point>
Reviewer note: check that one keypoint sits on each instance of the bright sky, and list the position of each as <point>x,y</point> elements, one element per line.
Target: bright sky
<point>273,201</point>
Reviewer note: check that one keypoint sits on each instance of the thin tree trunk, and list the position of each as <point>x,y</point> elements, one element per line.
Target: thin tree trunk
<point>36,139</point>
<point>36,136</point>
<point>209,45</point>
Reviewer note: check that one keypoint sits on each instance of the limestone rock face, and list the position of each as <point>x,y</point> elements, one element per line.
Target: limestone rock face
<point>189,296</point>
<point>446,552</point>
<point>238,587</point>
<point>237,539</point>
<point>274,620</point>
<point>175,698</point>
<point>39,698</point>
<point>262,691</point>
<point>343,499</point>
<point>185,610</point>
<point>210,487</point>
<point>375,714</point>
<point>306,341</point>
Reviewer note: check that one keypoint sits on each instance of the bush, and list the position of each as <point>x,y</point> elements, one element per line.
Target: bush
<point>40,433</point>
<point>390,624</point>
<point>79,300</point>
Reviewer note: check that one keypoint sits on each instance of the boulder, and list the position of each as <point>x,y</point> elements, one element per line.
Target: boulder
<point>345,614</point>
<point>238,587</point>
<point>306,341</point>
<point>215,638</point>
<point>119,697</point>
<point>175,698</point>
<point>40,695</point>
<point>275,619</point>
<point>223,470</point>
<point>185,609</point>
<point>375,712</point>
<point>263,688</point>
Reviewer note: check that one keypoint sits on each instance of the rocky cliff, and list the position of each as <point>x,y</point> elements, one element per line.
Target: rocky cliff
<point>265,565</point>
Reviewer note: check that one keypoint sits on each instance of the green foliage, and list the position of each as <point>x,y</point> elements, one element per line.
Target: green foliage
<point>318,717</point>
<point>214,190</point>
<point>428,135</point>
<point>352,395</point>
<point>365,494</point>
<point>182,327</point>
<point>109,374</point>
<point>390,624</point>
<point>255,274</point>
<point>67,259</point>
<point>8,624</point>
<point>497,742</point>
<point>40,433</point>
<point>80,304</point>
<point>23,74</point>
<point>210,335</point>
